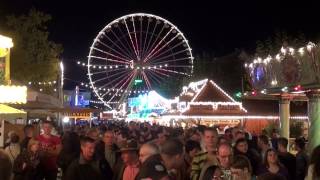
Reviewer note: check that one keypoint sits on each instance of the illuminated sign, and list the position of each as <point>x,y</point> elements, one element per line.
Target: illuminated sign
<point>5,42</point>
<point>78,115</point>
<point>13,94</point>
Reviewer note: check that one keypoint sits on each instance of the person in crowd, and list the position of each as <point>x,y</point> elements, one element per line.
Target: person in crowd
<point>271,176</point>
<point>241,168</point>
<point>240,134</point>
<point>5,166</point>
<point>147,150</point>
<point>28,133</point>
<point>224,156</point>
<point>274,138</point>
<point>122,137</point>
<point>286,158</point>
<point>302,159</point>
<point>271,164</point>
<point>195,136</point>
<point>222,140</point>
<point>207,157</point>
<point>94,134</point>
<point>50,146</point>
<point>151,163</point>
<point>242,148</point>
<point>172,154</point>
<point>228,134</point>
<point>129,169</point>
<point>108,149</point>
<point>314,167</point>
<point>69,152</point>
<point>13,149</point>
<point>263,145</point>
<point>162,138</point>
<point>192,148</point>
<point>26,166</point>
<point>86,167</point>
<point>213,173</point>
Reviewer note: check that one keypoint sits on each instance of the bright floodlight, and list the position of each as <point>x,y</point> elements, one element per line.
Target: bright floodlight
<point>66,119</point>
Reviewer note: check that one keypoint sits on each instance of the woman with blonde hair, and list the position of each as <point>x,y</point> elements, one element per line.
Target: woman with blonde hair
<point>26,166</point>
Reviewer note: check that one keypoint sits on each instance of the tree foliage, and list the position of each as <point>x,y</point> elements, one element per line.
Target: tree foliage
<point>272,45</point>
<point>34,57</point>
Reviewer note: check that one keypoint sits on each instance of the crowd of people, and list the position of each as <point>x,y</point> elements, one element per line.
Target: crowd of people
<point>140,151</point>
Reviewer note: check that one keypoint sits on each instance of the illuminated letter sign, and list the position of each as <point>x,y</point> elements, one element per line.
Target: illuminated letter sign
<point>13,94</point>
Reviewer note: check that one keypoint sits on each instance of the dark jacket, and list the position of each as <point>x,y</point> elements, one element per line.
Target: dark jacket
<point>31,170</point>
<point>301,165</point>
<point>118,170</point>
<point>152,168</point>
<point>81,169</point>
<point>24,143</point>
<point>289,161</point>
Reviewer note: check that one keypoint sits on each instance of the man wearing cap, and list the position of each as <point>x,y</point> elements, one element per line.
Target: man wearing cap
<point>129,169</point>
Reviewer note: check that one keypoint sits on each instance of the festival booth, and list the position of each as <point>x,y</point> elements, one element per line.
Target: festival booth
<point>205,102</point>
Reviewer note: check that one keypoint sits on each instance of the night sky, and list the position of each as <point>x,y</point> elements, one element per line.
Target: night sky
<point>216,27</point>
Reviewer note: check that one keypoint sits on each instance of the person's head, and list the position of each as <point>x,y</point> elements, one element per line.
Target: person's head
<point>195,137</point>
<point>108,138</point>
<point>47,127</point>
<point>5,166</point>
<point>224,155</point>
<point>241,168</point>
<point>274,133</point>
<point>223,139</point>
<point>240,134</point>
<point>228,133</point>
<point>14,138</point>
<point>162,137</point>
<point>129,152</point>
<point>263,141</point>
<point>28,131</point>
<point>210,138</point>
<point>282,144</point>
<point>271,157</point>
<point>315,161</point>
<point>271,176</point>
<point>87,147</point>
<point>33,145</point>
<point>300,144</point>
<point>147,150</point>
<point>93,134</point>
<point>172,154</point>
<point>192,148</point>
<point>213,173</point>
<point>242,145</point>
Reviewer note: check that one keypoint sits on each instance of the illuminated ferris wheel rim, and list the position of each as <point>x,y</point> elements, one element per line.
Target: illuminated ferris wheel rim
<point>92,83</point>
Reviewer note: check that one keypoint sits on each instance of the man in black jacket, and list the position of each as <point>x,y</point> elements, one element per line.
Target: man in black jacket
<point>302,159</point>
<point>107,149</point>
<point>286,158</point>
<point>87,167</point>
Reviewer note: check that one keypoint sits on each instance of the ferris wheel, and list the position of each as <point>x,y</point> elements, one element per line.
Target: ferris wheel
<point>135,54</point>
